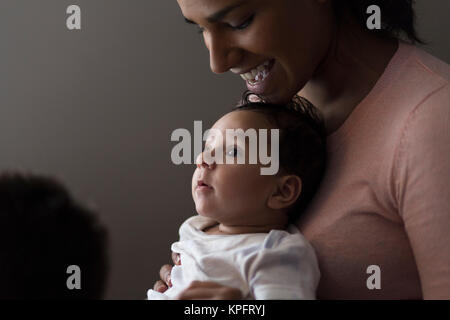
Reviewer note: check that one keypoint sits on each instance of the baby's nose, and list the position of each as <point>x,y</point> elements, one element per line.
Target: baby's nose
<point>206,161</point>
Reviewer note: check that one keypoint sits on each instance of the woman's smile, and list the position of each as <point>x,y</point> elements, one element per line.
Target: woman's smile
<point>257,78</point>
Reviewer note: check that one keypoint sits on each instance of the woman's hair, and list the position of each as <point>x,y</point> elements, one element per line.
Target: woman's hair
<point>397,16</point>
<point>302,144</point>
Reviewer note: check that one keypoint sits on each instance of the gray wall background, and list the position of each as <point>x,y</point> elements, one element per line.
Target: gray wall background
<point>95,108</point>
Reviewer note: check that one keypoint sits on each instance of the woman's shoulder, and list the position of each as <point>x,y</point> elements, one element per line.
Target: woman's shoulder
<point>416,74</point>
<point>429,63</point>
<point>414,83</point>
<point>423,88</point>
<point>411,80</point>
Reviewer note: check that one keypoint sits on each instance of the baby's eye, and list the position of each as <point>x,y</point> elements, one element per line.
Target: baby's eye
<point>232,152</point>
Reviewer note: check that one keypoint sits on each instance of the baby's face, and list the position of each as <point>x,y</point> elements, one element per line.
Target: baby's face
<point>232,193</point>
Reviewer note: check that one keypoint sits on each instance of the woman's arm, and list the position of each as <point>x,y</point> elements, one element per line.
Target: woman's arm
<point>422,178</point>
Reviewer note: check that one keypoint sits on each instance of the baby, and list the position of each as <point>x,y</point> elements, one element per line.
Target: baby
<point>243,235</point>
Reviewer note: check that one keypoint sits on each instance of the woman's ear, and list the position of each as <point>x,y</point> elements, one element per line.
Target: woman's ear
<point>286,192</point>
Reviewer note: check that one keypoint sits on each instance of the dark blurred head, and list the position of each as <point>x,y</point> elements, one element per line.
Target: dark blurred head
<point>43,231</point>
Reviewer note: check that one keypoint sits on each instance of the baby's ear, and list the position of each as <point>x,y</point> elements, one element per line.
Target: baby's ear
<point>286,192</point>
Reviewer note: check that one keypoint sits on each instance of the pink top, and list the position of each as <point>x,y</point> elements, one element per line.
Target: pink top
<point>385,198</point>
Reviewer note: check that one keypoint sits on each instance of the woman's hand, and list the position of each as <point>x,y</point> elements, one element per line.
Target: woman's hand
<point>206,290</point>
<point>164,273</point>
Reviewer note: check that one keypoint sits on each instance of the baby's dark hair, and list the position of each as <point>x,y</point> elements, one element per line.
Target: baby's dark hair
<point>302,144</point>
<point>43,231</point>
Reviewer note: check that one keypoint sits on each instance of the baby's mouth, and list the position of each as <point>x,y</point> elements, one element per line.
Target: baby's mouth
<point>201,184</point>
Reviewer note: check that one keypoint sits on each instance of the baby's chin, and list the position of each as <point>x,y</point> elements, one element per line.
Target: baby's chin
<point>204,212</point>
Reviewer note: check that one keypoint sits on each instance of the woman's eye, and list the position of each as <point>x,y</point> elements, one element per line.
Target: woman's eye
<point>243,25</point>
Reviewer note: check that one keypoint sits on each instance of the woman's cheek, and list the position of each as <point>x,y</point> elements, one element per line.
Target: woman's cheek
<point>258,39</point>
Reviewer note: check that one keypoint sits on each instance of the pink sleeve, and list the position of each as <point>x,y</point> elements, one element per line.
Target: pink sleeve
<point>422,178</point>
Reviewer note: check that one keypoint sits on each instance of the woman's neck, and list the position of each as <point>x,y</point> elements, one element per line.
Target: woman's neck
<point>355,61</point>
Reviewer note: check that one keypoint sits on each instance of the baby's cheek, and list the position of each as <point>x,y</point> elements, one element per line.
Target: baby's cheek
<point>194,176</point>
<point>193,183</point>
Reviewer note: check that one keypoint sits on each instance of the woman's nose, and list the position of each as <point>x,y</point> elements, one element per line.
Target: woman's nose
<point>222,55</point>
<point>206,162</point>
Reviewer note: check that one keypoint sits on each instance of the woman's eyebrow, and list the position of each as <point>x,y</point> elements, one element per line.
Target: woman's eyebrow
<point>221,14</point>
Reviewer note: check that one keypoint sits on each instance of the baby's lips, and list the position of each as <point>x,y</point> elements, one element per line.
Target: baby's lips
<point>201,183</point>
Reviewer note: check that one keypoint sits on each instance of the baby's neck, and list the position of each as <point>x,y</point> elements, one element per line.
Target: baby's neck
<point>221,228</point>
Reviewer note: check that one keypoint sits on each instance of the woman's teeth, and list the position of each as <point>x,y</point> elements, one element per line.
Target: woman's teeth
<point>258,74</point>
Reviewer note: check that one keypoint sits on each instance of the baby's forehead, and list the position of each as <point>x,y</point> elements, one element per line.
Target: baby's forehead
<point>243,119</point>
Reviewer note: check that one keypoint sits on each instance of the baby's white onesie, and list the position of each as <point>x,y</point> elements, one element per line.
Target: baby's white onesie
<point>280,264</point>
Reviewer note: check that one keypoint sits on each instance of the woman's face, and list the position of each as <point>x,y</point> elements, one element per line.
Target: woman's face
<point>274,45</point>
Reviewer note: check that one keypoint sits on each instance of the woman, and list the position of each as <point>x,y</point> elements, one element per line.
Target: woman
<point>384,200</point>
